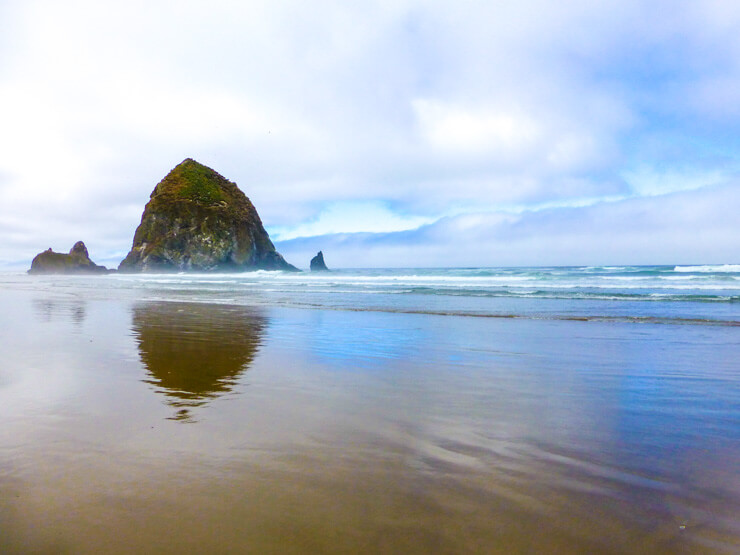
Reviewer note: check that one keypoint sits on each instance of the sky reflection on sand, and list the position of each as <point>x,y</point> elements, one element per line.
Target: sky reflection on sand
<point>338,431</point>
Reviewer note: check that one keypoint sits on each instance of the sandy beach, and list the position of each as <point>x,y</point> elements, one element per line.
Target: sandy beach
<point>151,426</point>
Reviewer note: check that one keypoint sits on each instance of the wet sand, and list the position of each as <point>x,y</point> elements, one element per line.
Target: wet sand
<point>180,427</point>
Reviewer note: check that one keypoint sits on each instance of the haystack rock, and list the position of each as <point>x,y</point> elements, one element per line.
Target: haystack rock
<point>76,262</point>
<point>197,220</point>
<point>317,263</point>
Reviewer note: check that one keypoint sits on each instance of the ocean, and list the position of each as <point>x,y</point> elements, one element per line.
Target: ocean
<point>703,295</point>
<point>466,410</point>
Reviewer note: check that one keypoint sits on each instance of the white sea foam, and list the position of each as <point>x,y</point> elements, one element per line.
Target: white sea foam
<point>390,286</point>
<point>703,287</point>
<point>656,283</point>
<point>407,278</point>
<point>651,279</point>
<point>721,268</point>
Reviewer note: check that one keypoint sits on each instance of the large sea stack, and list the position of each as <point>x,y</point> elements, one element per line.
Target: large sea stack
<point>76,262</point>
<point>197,220</point>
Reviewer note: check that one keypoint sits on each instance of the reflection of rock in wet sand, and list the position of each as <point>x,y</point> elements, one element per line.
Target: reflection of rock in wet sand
<point>52,309</point>
<point>195,352</point>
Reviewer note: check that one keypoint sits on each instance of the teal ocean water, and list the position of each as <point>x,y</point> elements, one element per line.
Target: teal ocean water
<point>706,294</point>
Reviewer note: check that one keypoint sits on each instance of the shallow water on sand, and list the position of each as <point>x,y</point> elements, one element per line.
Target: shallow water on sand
<point>131,425</point>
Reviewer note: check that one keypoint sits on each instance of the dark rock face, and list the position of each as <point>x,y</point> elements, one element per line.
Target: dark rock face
<point>317,263</point>
<point>197,220</point>
<point>76,262</point>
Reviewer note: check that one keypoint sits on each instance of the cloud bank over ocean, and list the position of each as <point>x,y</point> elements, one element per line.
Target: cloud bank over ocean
<point>685,226</point>
<point>405,133</point>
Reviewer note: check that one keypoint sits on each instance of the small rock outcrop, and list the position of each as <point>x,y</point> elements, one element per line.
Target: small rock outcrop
<point>317,263</point>
<point>76,262</point>
<point>197,220</point>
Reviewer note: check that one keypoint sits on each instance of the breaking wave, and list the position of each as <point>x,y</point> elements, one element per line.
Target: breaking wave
<point>713,269</point>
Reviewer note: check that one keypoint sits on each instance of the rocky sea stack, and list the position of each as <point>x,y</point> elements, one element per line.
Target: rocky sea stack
<point>197,220</point>
<point>76,262</point>
<point>317,263</point>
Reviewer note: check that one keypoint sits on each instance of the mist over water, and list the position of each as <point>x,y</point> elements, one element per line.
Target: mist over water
<point>364,411</point>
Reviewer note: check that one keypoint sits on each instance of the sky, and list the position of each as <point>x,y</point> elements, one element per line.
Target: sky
<point>389,133</point>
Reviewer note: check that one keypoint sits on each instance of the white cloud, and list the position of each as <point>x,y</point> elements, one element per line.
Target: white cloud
<point>685,227</point>
<point>425,109</point>
<point>350,217</point>
<point>447,127</point>
<point>648,181</point>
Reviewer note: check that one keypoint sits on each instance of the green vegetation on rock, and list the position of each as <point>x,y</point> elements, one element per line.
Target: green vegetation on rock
<point>76,262</point>
<point>198,220</point>
<point>195,182</point>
